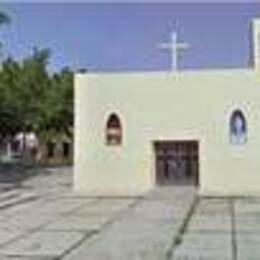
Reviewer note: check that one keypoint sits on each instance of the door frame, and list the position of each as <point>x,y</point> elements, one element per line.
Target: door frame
<point>193,140</point>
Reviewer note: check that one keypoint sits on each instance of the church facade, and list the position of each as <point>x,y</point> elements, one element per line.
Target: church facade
<point>134,131</point>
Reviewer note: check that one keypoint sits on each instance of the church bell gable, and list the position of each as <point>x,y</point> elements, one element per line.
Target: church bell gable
<point>255,49</point>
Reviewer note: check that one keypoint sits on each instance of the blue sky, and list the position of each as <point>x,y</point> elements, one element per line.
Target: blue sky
<point>122,37</point>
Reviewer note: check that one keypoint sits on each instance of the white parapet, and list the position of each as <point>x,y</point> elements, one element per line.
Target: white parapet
<point>256,43</point>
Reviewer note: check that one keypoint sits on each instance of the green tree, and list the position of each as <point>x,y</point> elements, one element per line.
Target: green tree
<point>10,113</point>
<point>4,18</point>
<point>31,98</point>
<point>23,87</point>
<point>57,108</point>
<point>4,112</point>
<point>33,87</point>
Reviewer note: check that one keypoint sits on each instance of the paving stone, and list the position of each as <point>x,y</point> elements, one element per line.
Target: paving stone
<point>125,228</point>
<point>119,244</point>
<point>62,205</point>
<point>247,207</point>
<point>7,186</point>
<point>79,223</point>
<point>207,245</point>
<point>248,245</point>
<point>27,206</point>
<point>28,258</point>
<point>213,207</point>
<point>210,223</point>
<point>159,210</point>
<point>247,223</point>
<point>43,244</point>
<point>116,202</point>
<point>195,255</point>
<point>52,192</point>
<point>105,206</point>
<point>213,201</point>
<point>19,199</point>
<point>116,253</point>
<point>3,218</point>
<point>9,194</point>
<point>150,215</point>
<point>130,237</point>
<point>129,225</point>
<point>156,219</point>
<point>27,220</point>
<point>172,193</point>
<point>23,222</point>
<point>43,207</point>
<point>247,200</point>
<point>9,235</point>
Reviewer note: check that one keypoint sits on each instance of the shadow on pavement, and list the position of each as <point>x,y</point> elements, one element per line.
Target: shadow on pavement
<point>16,173</point>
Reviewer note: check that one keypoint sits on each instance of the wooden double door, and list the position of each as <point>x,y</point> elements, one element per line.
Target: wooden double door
<point>177,162</point>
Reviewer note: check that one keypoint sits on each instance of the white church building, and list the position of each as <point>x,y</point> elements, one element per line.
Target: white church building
<point>134,131</point>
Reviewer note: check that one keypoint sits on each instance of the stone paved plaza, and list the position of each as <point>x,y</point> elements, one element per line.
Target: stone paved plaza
<point>42,219</point>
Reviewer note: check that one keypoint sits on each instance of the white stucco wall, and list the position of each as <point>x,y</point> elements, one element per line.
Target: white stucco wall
<point>256,43</point>
<point>162,106</point>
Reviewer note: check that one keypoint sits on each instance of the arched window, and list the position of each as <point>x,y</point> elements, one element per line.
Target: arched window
<point>113,130</point>
<point>238,128</point>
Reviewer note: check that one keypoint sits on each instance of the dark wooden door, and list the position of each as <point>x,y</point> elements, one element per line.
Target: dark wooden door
<point>177,162</point>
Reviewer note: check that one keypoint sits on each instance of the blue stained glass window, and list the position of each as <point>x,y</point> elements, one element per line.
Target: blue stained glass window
<point>238,128</point>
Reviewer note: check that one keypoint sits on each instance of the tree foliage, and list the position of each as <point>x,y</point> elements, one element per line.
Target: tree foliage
<point>4,18</point>
<point>32,98</point>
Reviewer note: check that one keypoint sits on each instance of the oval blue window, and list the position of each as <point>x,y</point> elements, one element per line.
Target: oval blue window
<point>238,128</point>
